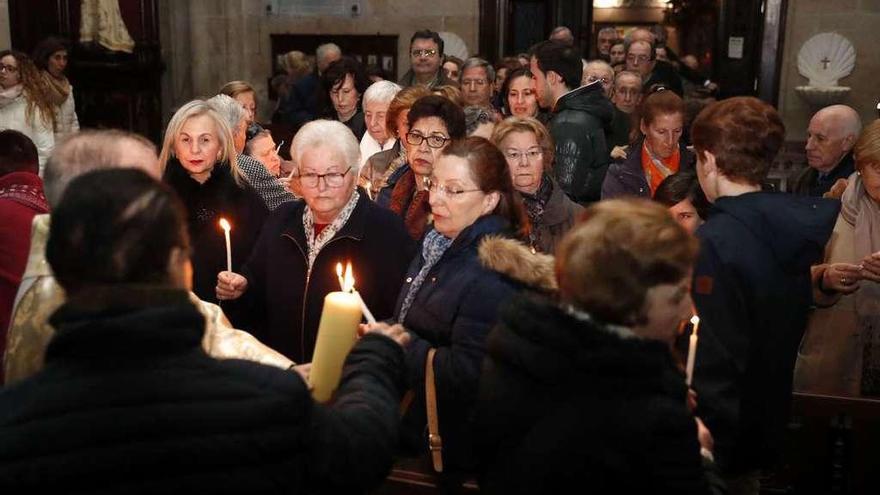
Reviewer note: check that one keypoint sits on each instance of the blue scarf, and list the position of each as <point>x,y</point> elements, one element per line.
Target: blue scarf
<point>433,247</point>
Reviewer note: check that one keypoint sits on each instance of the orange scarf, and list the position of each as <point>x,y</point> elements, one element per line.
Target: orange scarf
<point>656,169</point>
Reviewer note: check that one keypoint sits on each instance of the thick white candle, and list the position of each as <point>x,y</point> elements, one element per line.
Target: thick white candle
<point>226,227</point>
<point>337,334</point>
<point>692,350</point>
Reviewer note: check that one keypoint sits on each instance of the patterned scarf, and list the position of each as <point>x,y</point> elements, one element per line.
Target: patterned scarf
<point>317,242</point>
<point>656,169</point>
<point>432,250</point>
<point>25,189</point>
<point>58,88</point>
<point>411,204</point>
<point>535,205</point>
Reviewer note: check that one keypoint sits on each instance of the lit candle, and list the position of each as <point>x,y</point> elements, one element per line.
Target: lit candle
<point>224,224</point>
<point>339,276</point>
<point>337,334</point>
<point>348,284</point>
<point>692,350</point>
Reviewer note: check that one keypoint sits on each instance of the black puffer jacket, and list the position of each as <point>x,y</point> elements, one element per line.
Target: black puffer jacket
<point>578,129</point>
<point>129,403</point>
<point>565,402</point>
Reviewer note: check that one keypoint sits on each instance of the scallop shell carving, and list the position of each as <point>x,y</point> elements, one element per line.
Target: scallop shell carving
<point>826,58</point>
<point>454,45</point>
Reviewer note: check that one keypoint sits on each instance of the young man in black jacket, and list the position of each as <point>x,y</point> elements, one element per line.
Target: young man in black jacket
<point>580,116</point>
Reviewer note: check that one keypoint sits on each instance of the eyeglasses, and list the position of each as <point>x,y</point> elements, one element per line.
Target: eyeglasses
<point>8,68</point>
<point>530,155</point>
<point>424,53</point>
<point>640,58</point>
<point>433,141</point>
<point>334,179</point>
<point>448,191</point>
<point>604,80</point>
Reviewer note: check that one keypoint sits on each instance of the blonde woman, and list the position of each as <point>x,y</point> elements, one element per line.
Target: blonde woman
<point>528,149</point>
<point>200,163</point>
<point>243,93</point>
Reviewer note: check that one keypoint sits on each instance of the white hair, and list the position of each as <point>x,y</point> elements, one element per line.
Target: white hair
<point>230,110</point>
<point>381,92</point>
<point>478,62</point>
<point>331,134</point>
<point>326,49</point>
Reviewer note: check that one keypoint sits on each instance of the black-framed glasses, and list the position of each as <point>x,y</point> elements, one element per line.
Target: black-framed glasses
<point>424,53</point>
<point>8,68</point>
<point>333,179</point>
<point>434,141</point>
<point>448,191</point>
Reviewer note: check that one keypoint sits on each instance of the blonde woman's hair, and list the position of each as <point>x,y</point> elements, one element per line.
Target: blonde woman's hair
<point>235,88</point>
<point>867,147</point>
<point>526,124</point>
<point>197,108</point>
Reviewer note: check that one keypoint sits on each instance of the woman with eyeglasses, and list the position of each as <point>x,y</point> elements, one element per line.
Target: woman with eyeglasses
<point>200,162</point>
<point>528,149</point>
<point>454,288</point>
<point>25,103</point>
<point>433,122</point>
<point>658,153</point>
<point>293,265</point>
<point>343,84</point>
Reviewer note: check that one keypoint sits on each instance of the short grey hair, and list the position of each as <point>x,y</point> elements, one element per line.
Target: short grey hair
<point>230,110</point>
<point>326,49</point>
<point>627,73</point>
<point>330,133</point>
<point>92,149</point>
<point>608,29</point>
<point>474,117</point>
<point>478,62</point>
<point>381,92</point>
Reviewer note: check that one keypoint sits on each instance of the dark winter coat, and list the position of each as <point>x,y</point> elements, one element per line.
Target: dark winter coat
<point>129,403</point>
<point>666,75</point>
<point>289,300</point>
<point>580,118</point>
<point>752,290</point>
<point>627,178</point>
<point>453,312</point>
<point>559,217</point>
<point>219,197</point>
<point>808,183</point>
<point>567,402</point>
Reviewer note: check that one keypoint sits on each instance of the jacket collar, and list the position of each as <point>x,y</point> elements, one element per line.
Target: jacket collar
<point>574,93</point>
<point>487,224</point>
<point>354,228</point>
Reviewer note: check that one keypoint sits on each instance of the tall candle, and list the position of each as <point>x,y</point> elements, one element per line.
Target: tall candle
<point>692,350</point>
<point>337,334</point>
<point>224,224</point>
<point>348,286</point>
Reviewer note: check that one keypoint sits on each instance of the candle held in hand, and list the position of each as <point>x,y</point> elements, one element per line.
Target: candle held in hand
<point>337,334</point>
<point>348,286</point>
<point>224,224</point>
<point>692,350</point>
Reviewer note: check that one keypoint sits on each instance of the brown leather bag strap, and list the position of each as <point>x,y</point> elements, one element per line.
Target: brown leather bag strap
<point>435,444</point>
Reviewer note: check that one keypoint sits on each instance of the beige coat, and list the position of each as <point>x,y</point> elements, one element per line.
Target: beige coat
<point>830,358</point>
<point>39,296</point>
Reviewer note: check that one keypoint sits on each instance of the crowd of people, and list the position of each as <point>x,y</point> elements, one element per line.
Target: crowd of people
<point>532,237</point>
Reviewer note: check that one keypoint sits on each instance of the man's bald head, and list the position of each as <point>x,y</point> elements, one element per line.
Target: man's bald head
<point>831,135</point>
<point>94,150</point>
<point>562,35</point>
<point>641,34</point>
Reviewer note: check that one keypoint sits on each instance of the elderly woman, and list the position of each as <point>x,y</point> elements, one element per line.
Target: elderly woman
<point>841,336</point>
<point>343,83</point>
<point>655,156</point>
<point>25,104</point>
<point>243,93</point>
<point>587,387</point>
<point>433,122</point>
<point>380,166</point>
<point>293,265</point>
<point>528,148</point>
<point>50,56</point>
<point>260,178</point>
<point>126,366</point>
<point>261,147</point>
<point>377,98</point>
<point>452,292</point>
<point>201,164</point>
<point>682,195</point>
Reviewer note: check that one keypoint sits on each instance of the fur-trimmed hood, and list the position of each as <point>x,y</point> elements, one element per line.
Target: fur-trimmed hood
<point>516,260</point>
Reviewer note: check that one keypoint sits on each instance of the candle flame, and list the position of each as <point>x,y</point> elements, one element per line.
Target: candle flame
<point>348,279</point>
<point>695,321</point>
<point>224,224</point>
<point>339,270</point>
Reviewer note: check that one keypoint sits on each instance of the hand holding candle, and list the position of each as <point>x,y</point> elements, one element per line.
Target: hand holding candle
<point>224,224</point>
<point>692,350</point>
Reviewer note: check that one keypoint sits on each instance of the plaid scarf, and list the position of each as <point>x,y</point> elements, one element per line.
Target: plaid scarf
<point>535,205</point>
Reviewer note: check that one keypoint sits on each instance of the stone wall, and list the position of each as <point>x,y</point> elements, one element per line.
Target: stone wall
<point>858,21</point>
<point>208,42</point>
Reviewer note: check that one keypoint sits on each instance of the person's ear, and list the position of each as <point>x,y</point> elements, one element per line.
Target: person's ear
<point>643,127</point>
<point>848,142</point>
<point>709,164</point>
<point>490,202</point>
